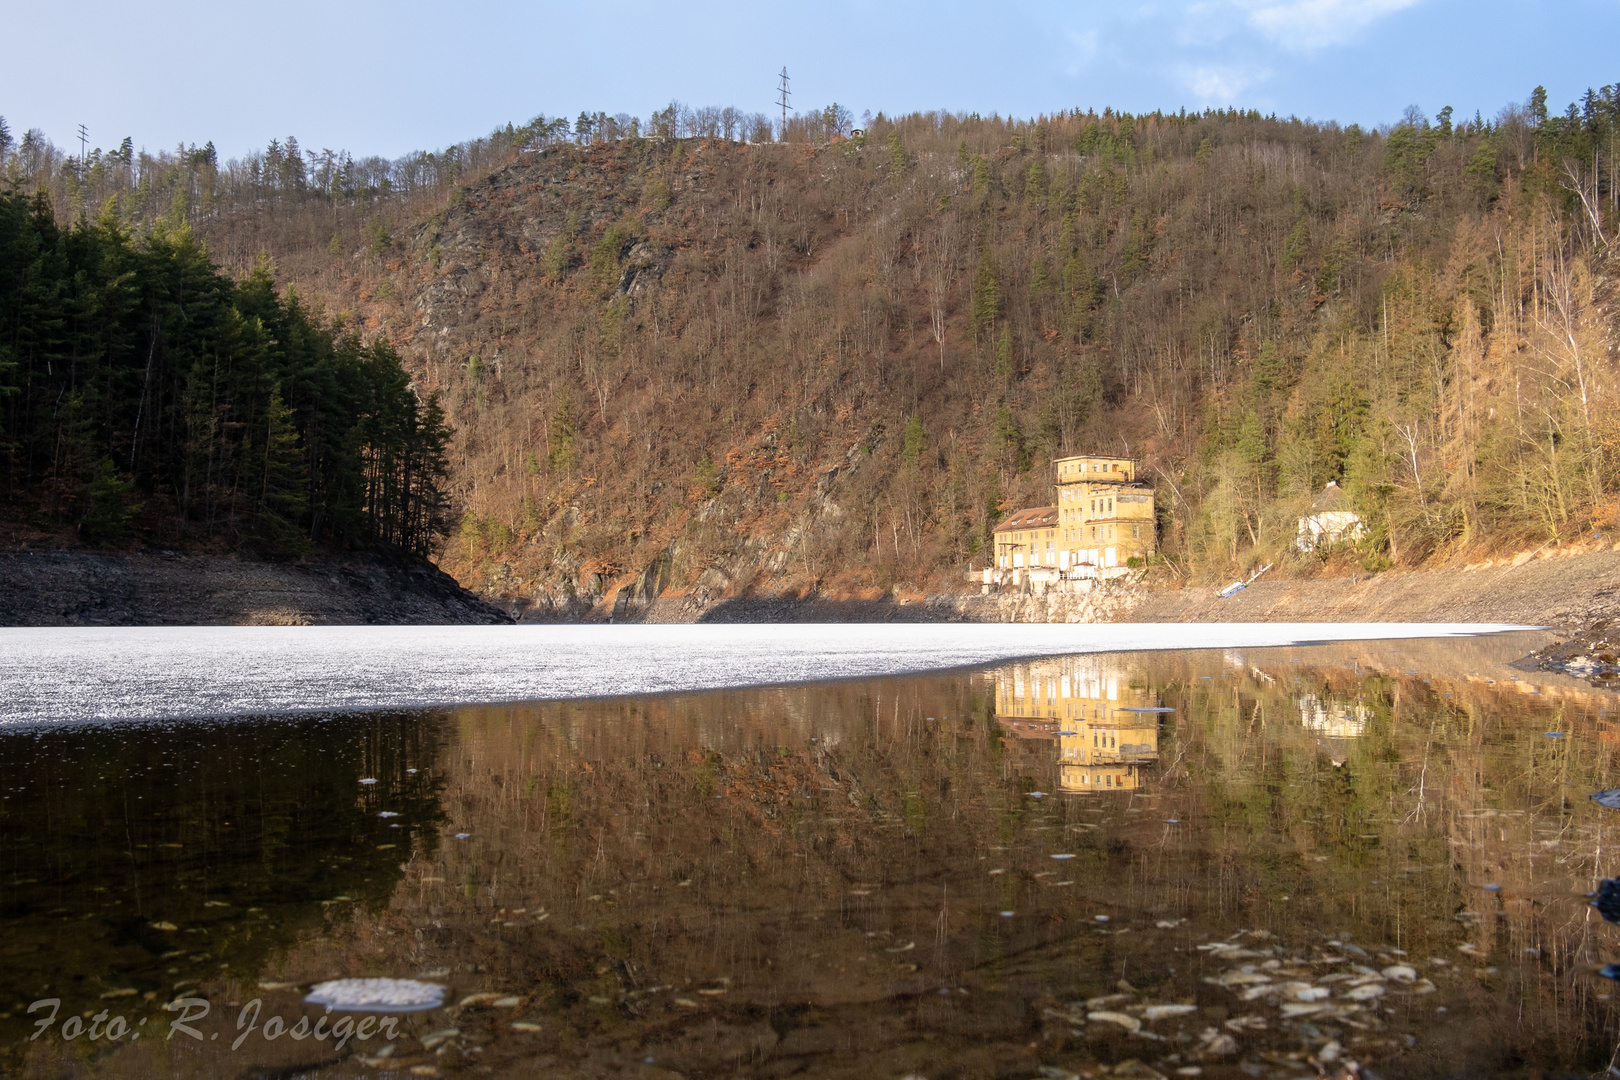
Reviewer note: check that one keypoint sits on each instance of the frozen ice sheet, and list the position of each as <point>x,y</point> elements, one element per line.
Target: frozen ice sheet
<point>79,674</point>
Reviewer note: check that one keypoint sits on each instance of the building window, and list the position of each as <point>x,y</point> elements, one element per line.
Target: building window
<point>1136,531</point>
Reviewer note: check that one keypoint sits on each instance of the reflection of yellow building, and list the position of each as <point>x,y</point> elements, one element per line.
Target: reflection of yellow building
<point>1090,711</point>
<point>1093,778</point>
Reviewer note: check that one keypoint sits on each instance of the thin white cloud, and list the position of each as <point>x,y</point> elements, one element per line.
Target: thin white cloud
<point>1083,45</point>
<point>1220,85</point>
<point>1313,24</point>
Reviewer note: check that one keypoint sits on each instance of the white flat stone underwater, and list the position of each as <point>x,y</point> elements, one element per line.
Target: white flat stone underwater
<point>50,675</point>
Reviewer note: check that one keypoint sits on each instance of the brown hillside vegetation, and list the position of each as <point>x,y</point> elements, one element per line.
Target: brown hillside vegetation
<point>831,365</point>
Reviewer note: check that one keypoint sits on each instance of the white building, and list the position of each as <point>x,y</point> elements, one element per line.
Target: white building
<point>1329,520</point>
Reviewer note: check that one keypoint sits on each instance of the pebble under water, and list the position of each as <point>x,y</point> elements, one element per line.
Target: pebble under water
<point>1331,860</point>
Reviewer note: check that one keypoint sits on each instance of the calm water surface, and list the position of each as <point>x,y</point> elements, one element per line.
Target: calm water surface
<point>1368,853</point>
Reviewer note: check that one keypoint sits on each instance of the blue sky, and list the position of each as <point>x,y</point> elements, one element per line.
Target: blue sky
<point>384,78</point>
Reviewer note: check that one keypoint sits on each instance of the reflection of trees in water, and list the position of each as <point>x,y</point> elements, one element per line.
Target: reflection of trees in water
<point>148,857</point>
<point>1447,786</point>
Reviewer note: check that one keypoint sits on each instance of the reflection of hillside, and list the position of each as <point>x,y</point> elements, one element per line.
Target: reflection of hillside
<point>1100,720</point>
<point>780,881</point>
<point>147,859</point>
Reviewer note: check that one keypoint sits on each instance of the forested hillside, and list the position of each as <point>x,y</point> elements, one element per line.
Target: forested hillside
<point>832,362</point>
<point>144,393</point>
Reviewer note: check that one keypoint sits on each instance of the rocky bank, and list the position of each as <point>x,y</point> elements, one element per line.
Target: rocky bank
<point>1564,588</point>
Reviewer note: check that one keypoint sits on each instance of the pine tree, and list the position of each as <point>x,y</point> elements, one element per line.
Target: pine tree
<point>1035,181</point>
<point>897,154</point>
<point>985,308</point>
<point>916,441</point>
<point>283,485</point>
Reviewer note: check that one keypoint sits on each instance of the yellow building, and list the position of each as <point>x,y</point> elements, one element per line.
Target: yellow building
<point>1099,721</point>
<point>1102,525</point>
<point>1028,538</point>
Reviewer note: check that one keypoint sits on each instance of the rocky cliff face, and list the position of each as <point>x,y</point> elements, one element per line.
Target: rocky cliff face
<point>57,588</point>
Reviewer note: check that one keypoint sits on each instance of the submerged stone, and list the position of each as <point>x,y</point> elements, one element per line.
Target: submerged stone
<point>377,995</point>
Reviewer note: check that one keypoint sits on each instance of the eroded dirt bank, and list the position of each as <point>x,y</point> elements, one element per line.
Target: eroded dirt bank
<point>66,588</point>
<point>1553,590</point>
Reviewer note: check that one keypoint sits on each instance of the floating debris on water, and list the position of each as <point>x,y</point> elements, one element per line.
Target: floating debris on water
<point>463,835</point>
<point>1063,856</point>
<point>1609,798</point>
<point>1008,914</point>
<point>368,779</point>
<point>1102,918</point>
<point>1037,794</point>
<point>1610,971</point>
<point>1492,888</point>
<point>1554,734</point>
<point>388,813</point>
<point>377,995</point>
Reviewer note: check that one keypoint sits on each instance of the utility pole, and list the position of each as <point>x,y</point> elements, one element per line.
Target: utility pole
<point>783,93</point>
<point>84,140</point>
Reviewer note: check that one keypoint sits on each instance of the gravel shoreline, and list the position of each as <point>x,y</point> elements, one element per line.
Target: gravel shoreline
<point>73,588</point>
